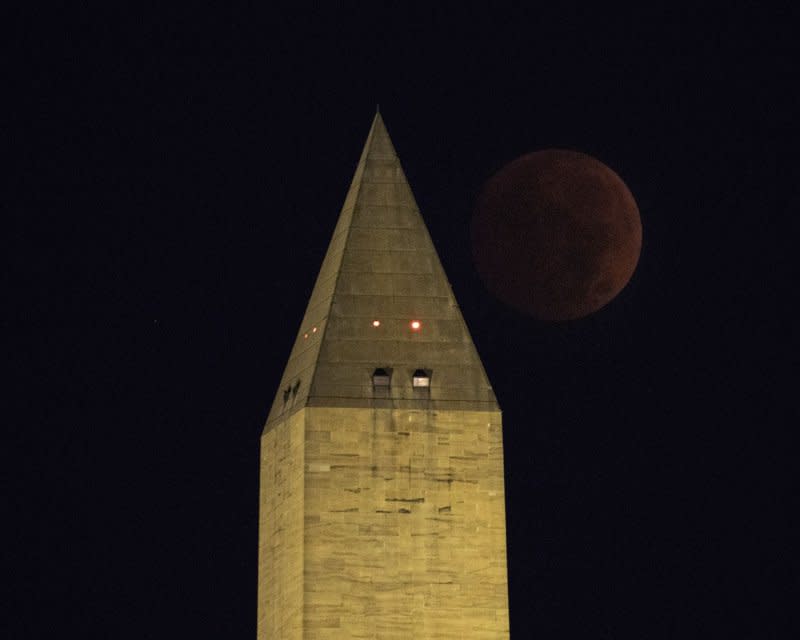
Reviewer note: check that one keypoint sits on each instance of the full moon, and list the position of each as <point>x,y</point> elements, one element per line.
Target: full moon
<point>556,234</point>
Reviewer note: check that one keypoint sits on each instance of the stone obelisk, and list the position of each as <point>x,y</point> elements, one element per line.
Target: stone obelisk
<point>382,509</point>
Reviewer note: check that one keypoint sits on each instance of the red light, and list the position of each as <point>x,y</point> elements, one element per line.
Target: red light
<point>314,330</point>
<point>415,325</point>
<point>376,323</point>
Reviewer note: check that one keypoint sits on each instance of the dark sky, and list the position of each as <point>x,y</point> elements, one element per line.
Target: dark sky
<point>176,178</point>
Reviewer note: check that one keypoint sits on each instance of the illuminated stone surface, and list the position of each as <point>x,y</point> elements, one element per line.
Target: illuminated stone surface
<point>382,508</point>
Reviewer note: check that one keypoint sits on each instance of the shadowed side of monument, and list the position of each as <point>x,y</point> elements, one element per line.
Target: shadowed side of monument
<point>382,498</point>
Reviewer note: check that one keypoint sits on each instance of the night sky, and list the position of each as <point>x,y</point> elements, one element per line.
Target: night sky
<point>176,179</point>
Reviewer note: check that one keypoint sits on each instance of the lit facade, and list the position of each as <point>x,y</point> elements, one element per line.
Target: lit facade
<point>382,506</point>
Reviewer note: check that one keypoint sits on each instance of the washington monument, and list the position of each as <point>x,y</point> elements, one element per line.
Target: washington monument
<point>382,505</point>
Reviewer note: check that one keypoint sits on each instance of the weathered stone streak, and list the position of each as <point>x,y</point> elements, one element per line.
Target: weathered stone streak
<point>281,538</point>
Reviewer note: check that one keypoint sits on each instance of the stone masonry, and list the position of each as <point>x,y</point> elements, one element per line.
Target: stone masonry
<point>382,503</point>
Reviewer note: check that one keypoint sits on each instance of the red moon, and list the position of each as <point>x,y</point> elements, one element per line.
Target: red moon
<point>556,234</point>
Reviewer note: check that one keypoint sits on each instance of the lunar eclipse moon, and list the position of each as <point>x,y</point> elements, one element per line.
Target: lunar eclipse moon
<point>556,234</point>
